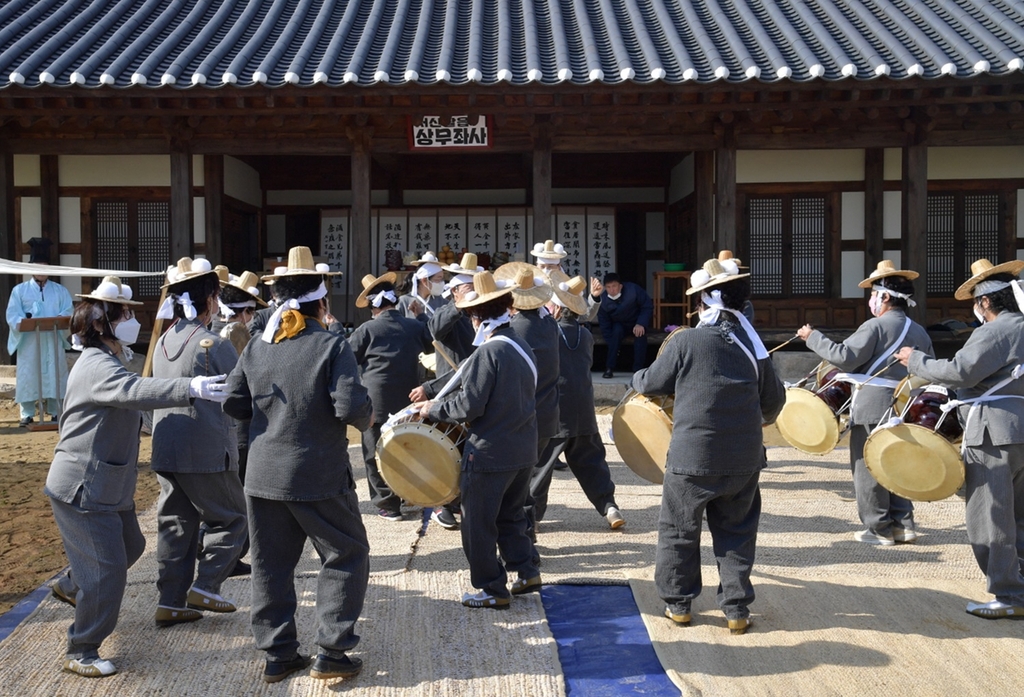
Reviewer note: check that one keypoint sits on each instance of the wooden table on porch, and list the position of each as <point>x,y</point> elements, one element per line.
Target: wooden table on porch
<point>661,302</point>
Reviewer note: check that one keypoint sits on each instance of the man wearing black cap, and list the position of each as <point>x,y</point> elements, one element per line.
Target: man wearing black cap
<point>37,297</point>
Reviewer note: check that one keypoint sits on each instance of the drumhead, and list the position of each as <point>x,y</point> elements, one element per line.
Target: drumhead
<point>420,463</point>
<point>807,423</point>
<point>642,429</point>
<point>914,462</point>
<point>669,338</point>
<point>824,368</point>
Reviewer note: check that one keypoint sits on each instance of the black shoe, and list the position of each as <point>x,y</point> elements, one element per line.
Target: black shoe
<point>241,569</point>
<point>325,667</point>
<point>445,518</point>
<point>276,671</point>
<point>560,466</point>
<point>26,421</point>
<point>608,374</point>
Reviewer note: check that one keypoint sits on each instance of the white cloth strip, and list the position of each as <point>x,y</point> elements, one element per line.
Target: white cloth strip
<point>517,347</point>
<point>427,270</point>
<point>893,293</point>
<point>714,305</point>
<point>274,323</point>
<point>24,268</point>
<point>166,310</point>
<point>380,297</point>
<point>988,396</point>
<point>487,327</point>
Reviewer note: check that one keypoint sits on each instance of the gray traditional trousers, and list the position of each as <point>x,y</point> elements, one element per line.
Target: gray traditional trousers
<point>101,547</point>
<point>995,521</point>
<point>733,506</point>
<point>585,456</point>
<point>186,500</point>
<point>278,531</point>
<point>380,493</point>
<point>880,510</point>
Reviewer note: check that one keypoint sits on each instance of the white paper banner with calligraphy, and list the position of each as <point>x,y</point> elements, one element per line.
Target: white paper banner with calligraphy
<point>334,245</point>
<point>442,132</point>
<point>571,232</point>
<point>511,236</point>
<point>392,235</point>
<point>451,230</point>
<point>601,241</point>
<point>422,232</point>
<point>482,227</point>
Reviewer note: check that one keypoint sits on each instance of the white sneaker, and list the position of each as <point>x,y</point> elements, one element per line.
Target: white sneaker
<point>904,535</point>
<point>90,667</point>
<point>614,518</point>
<point>995,609</point>
<point>870,538</point>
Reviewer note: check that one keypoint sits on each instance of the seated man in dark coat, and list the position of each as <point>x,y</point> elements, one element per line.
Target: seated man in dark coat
<point>625,307</point>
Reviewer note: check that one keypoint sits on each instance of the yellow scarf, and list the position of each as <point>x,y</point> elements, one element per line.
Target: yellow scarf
<point>292,324</point>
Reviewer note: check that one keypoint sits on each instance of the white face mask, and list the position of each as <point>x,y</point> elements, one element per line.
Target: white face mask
<point>127,331</point>
<point>977,313</point>
<point>436,288</point>
<point>614,297</point>
<point>874,304</point>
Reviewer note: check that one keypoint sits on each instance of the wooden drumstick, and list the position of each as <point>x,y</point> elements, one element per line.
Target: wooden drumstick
<point>794,338</point>
<point>439,348</point>
<point>206,345</point>
<point>881,370</point>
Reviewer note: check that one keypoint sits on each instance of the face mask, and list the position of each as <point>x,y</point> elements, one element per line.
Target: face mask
<point>977,313</point>
<point>875,304</point>
<point>127,331</point>
<point>436,288</point>
<point>614,297</point>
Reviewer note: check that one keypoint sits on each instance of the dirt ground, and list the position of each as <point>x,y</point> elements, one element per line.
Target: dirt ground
<point>30,546</point>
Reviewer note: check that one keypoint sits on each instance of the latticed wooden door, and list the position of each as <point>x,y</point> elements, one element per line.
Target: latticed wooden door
<point>134,235</point>
<point>962,228</point>
<point>787,242</point>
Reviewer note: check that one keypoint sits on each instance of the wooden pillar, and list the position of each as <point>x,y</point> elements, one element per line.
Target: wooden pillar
<point>874,187</point>
<point>182,236</point>
<point>7,240</point>
<point>725,193</point>
<point>541,188</point>
<point>915,222</point>
<point>213,195</point>
<point>49,191</point>
<point>704,193</point>
<point>360,262</point>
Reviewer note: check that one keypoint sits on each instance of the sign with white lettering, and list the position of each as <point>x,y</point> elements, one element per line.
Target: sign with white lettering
<point>443,132</point>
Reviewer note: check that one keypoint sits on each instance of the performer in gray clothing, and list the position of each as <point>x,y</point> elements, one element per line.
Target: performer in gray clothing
<point>888,518</point>
<point>195,457</point>
<point>577,436</point>
<point>91,483</point>
<point>496,398</point>
<point>990,395</point>
<point>725,388</point>
<point>427,286</point>
<point>549,258</point>
<point>299,384</point>
<point>387,350</point>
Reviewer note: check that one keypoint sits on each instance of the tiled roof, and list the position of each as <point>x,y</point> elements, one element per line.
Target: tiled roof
<point>197,43</point>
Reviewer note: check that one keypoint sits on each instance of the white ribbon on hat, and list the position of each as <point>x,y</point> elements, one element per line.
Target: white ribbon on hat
<point>456,280</point>
<point>986,287</point>
<point>882,289</point>
<point>377,299</point>
<point>274,323</point>
<point>714,307</point>
<point>427,270</point>
<point>228,310</point>
<point>487,327</point>
<point>166,310</point>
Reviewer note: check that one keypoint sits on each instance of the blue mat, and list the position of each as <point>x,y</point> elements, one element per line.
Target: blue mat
<point>603,644</point>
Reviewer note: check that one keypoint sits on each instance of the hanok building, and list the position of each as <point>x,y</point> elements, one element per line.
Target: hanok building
<point>812,137</point>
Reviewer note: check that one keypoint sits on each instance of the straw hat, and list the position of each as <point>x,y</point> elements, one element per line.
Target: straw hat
<point>714,273</point>
<point>568,292</point>
<point>300,263</point>
<point>427,258</point>
<point>529,289</point>
<point>246,283</point>
<point>187,269</point>
<point>466,266</point>
<point>726,255</point>
<point>485,288</point>
<point>982,269</point>
<point>369,282</point>
<point>885,269</point>
<point>111,291</point>
<point>549,251</point>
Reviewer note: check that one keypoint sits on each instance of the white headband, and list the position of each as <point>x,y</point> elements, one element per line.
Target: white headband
<point>228,309</point>
<point>895,294</point>
<point>427,270</point>
<point>378,299</point>
<point>986,287</point>
<point>166,310</point>
<point>274,323</point>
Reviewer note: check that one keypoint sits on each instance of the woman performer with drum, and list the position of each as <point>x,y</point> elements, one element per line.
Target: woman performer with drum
<point>299,384</point>
<point>725,388</point>
<point>888,518</point>
<point>496,398</point>
<point>91,483</point>
<point>985,373</point>
<point>387,350</point>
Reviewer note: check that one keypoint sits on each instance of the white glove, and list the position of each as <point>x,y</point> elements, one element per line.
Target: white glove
<point>208,387</point>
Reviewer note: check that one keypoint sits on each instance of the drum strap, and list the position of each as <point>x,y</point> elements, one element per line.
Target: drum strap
<point>988,396</point>
<point>517,347</point>
<point>892,349</point>
<point>753,360</point>
<point>859,380</point>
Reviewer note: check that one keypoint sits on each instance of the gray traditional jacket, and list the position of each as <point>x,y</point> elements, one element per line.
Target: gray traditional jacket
<point>496,397</point>
<point>720,402</point>
<point>405,302</point>
<point>989,356</point>
<point>454,330</point>
<point>300,394</point>
<point>387,350</point>
<point>575,388</point>
<point>541,335</point>
<point>196,438</point>
<point>860,351</point>
<point>98,450</point>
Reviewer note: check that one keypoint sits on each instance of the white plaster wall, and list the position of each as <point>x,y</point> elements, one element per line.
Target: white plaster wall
<point>276,234</point>
<point>892,215</point>
<point>242,182</point>
<point>608,196</point>
<point>198,173</point>
<point>892,165</point>
<point>31,217</point>
<point>72,283</point>
<point>681,181</point>
<point>893,255</point>
<point>199,220</point>
<point>853,273</point>
<point>655,224</point>
<point>770,166</point>
<point>114,170</point>
<point>26,170</point>
<point>1003,162</point>
<point>70,219</point>
<point>853,215</point>
<point>462,197</point>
